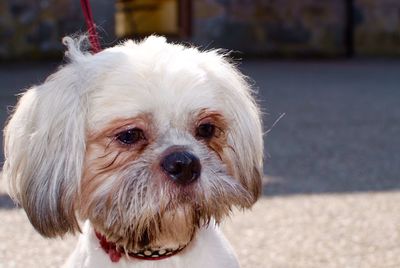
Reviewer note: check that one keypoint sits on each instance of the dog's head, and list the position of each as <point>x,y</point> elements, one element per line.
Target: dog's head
<point>146,140</point>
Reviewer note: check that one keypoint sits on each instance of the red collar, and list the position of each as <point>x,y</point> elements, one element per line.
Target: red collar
<point>116,252</point>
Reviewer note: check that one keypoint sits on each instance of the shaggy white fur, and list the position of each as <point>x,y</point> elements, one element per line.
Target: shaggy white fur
<point>87,144</point>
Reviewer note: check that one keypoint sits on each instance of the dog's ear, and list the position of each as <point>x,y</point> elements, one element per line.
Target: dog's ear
<point>245,136</point>
<point>44,144</point>
<point>246,139</point>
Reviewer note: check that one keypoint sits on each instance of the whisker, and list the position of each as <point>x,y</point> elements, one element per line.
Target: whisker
<point>112,162</point>
<point>276,122</point>
<point>104,156</point>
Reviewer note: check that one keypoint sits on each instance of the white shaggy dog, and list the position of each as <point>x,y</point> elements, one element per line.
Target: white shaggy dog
<point>150,143</point>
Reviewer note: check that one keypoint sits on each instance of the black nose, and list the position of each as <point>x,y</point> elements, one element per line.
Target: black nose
<point>182,167</point>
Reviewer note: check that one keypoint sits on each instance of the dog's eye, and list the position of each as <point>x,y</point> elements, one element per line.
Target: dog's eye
<point>130,136</point>
<point>205,131</point>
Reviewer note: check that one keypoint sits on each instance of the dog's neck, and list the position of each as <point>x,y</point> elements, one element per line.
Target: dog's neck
<point>115,252</point>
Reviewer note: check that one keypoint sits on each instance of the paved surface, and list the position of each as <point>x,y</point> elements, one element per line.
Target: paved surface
<point>333,170</point>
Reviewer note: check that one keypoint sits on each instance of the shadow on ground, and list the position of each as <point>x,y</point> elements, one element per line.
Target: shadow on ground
<point>341,129</point>
<point>340,132</point>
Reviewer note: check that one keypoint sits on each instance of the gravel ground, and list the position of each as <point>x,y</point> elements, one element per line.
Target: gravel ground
<point>314,231</point>
<point>333,230</point>
<point>332,197</point>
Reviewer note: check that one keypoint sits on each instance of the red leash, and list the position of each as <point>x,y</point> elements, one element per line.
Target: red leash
<point>93,35</point>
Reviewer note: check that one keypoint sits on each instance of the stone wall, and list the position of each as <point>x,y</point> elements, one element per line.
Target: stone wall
<point>284,27</point>
<point>377,28</point>
<point>34,28</point>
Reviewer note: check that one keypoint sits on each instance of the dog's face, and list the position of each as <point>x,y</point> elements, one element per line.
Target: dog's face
<point>149,141</point>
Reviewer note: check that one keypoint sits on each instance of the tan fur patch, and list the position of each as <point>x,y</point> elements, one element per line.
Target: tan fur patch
<point>219,143</point>
<point>106,155</point>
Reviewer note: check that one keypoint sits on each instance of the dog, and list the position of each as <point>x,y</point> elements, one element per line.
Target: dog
<point>143,148</point>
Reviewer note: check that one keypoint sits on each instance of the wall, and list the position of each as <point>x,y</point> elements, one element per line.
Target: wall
<point>284,27</point>
<point>377,29</point>
<point>34,28</point>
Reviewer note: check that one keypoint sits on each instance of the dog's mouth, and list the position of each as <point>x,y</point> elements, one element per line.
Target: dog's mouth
<point>170,231</point>
<point>168,224</point>
<point>162,216</point>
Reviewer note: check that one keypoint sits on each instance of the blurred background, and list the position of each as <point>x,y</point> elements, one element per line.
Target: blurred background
<point>280,28</point>
<point>330,68</point>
